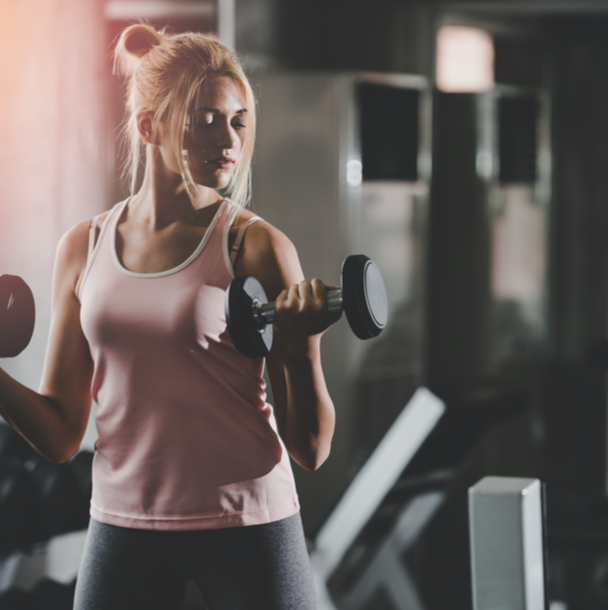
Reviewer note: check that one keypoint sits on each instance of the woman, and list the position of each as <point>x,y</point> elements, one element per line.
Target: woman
<point>191,477</point>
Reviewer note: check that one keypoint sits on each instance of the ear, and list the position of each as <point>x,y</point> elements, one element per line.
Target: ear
<point>144,126</point>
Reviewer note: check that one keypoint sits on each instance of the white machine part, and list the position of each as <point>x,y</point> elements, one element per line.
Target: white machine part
<point>370,486</point>
<point>506,533</point>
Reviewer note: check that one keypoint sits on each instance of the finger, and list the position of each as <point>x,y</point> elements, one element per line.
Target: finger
<point>282,296</point>
<point>293,294</point>
<point>319,289</point>
<point>306,290</point>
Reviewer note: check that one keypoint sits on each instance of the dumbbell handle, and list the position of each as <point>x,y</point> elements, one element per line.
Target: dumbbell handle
<point>263,314</point>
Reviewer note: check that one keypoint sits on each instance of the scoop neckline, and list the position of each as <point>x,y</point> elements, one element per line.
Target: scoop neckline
<point>183,265</point>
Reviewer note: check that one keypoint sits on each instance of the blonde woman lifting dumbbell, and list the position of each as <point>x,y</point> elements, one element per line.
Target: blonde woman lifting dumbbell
<point>192,479</point>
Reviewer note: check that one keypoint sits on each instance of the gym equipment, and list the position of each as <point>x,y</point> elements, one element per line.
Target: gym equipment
<point>362,297</point>
<point>17,315</point>
<point>507,546</point>
<point>17,505</point>
<point>406,501</point>
<point>338,542</point>
<point>57,498</point>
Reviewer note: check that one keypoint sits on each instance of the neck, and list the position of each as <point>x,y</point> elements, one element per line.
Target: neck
<point>163,199</point>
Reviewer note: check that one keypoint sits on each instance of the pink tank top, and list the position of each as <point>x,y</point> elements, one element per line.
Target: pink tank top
<point>187,440</point>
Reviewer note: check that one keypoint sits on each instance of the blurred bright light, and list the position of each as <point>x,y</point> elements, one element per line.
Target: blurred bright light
<point>465,60</point>
<point>354,172</point>
<point>157,9</point>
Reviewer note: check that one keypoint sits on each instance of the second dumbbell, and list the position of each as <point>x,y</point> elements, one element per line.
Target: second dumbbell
<point>362,297</point>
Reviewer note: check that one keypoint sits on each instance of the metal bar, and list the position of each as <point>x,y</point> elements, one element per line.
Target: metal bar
<point>333,300</point>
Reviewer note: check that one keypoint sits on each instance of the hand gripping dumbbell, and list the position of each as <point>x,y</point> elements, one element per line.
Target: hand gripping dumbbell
<point>17,315</point>
<point>362,297</point>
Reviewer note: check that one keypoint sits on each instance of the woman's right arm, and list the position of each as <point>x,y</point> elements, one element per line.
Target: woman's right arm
<point>54,419</point>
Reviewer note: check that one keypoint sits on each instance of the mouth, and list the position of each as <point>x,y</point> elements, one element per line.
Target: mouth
<point>223,162</point>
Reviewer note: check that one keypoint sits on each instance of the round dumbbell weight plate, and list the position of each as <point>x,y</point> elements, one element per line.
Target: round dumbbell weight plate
<point>364,296</point>
<point>17,315</point>
<point>244,332</point>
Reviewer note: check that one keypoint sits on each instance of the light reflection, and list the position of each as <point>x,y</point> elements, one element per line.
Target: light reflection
<point>518,271</point>
<point>465,60</point>
<point>354,173</point>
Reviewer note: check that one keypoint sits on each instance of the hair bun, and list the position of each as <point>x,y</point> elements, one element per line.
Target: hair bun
<point>139,39</point>
<point>135,42</point>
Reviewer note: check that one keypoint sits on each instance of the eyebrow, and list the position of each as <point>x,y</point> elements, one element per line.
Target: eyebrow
<point>216,111</point>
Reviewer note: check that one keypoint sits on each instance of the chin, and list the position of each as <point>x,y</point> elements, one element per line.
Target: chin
<point>214,182</point>
<point>211,184</point>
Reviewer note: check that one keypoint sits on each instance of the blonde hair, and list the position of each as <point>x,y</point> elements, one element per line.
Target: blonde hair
<point>164,73</point>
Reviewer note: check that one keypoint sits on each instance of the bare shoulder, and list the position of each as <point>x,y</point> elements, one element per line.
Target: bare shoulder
<point>270,256</point>
<point>242,216</point>
<point>267,243</point>
<point>76,240</point>
<point>72,252</point>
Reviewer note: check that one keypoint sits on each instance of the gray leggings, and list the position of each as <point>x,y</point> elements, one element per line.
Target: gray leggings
<point>238,568</point>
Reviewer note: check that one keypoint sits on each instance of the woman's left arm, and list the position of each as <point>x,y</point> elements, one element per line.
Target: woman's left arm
<point>303,408</point>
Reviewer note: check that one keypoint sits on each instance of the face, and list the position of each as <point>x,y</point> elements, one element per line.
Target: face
<point>215,134</point>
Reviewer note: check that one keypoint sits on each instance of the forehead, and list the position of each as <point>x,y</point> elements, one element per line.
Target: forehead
<point>223,93</point>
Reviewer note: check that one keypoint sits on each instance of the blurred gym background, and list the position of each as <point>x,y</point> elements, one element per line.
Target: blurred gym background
<point>461,144</point>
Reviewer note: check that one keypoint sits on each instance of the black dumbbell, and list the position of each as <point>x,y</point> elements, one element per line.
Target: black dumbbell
<point>17,315</point>
<point>55,487</point>
<point>60,494</point>
<point>362,297</point>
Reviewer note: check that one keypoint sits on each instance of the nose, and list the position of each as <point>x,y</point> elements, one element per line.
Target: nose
<point>226,138</point>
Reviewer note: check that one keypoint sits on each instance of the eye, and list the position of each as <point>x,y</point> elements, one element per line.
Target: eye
<point>199,121</point>
<point>238,125</point>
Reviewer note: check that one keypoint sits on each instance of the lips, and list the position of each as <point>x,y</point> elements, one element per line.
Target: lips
<point>223,162</point>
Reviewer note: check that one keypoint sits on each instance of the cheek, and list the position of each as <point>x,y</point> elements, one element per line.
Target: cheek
<point>240,141</point>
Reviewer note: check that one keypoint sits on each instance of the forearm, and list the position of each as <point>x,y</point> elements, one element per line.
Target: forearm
<point>310,415</point>
<point>36,418</point>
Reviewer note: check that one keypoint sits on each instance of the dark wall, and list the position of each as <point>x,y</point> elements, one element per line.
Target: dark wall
<point>391,36</point>
<point>459,249</point>
<point>580,231</point>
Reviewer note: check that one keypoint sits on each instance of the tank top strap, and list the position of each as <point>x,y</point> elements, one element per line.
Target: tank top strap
<point>231,253</point>
<point>97,227</point>
<point>96,233</point>
<point>234,251</point>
